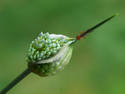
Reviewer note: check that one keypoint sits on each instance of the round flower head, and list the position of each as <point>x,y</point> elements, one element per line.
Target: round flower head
<point>49,53</point>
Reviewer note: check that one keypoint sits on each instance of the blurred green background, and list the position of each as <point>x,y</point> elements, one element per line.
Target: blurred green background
<point>98,62</point>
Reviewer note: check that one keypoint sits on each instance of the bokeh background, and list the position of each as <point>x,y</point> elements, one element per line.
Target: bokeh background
<point>98,62</point>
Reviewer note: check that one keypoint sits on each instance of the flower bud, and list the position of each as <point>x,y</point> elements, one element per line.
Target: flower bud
<point>49,53</point>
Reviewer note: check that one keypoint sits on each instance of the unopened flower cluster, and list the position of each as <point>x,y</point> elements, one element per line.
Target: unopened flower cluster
<point>44,47</point>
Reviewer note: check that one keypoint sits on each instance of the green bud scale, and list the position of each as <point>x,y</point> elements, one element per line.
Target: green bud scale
<point>49,53</point>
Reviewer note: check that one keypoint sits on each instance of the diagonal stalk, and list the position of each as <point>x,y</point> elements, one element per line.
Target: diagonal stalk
<point>94,27</point>
<point>15,81</point>
<point>27,71</point>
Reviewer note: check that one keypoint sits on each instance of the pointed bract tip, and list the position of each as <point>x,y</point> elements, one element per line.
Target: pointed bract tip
<point>96,26</point>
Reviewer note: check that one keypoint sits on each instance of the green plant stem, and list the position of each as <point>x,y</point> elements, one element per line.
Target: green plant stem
<point>94,27</point>
<point>15,81</point>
